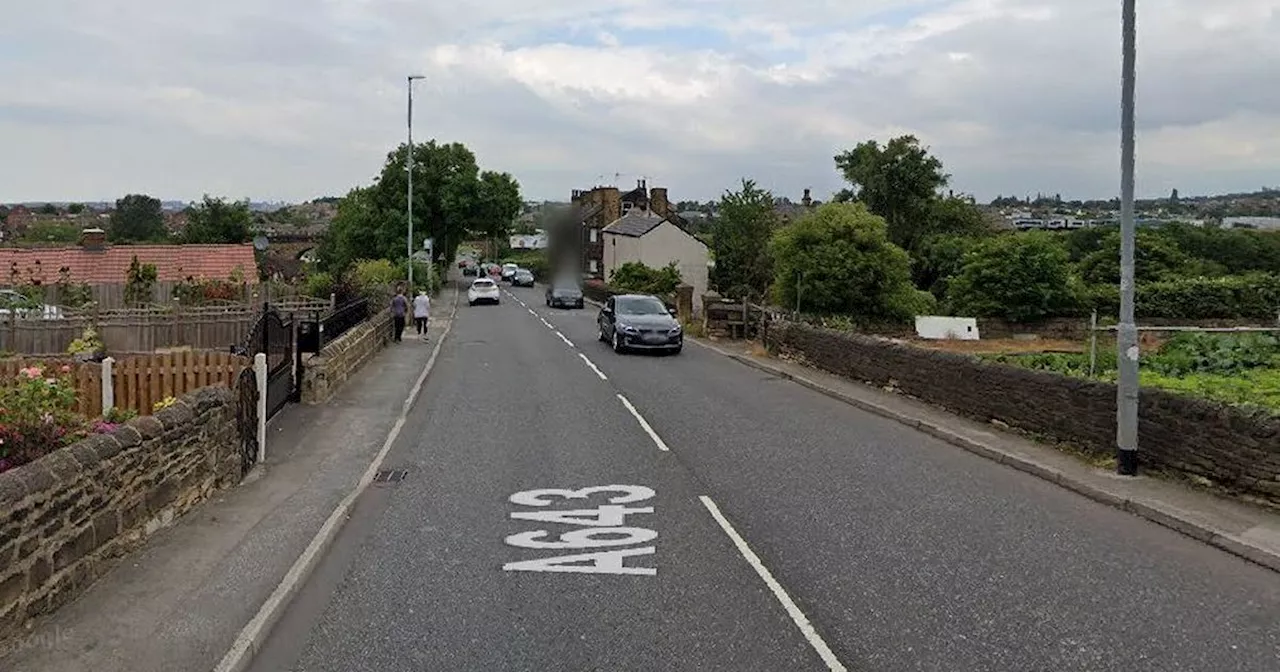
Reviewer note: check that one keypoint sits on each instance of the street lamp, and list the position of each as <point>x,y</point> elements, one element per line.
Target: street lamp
<point>1127,331</point>
<point>409,167</point>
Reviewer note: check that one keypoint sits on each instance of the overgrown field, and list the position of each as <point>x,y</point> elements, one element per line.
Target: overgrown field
<point>1238,369</point>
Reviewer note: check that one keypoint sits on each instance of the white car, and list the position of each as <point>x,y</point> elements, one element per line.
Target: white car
<point>483,290</point>
<point>509,271</point>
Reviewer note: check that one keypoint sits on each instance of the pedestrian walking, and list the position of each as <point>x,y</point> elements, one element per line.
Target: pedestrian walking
<point>399,308</point>
<point>421,312</point>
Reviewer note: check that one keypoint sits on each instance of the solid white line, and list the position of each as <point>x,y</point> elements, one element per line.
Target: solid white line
<point>644,424</point>
<point>593,366</point>
<point>566,341</point>
<point>255,633</point>
<point>797,616</point>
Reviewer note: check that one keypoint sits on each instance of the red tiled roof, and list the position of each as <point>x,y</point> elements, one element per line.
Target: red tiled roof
<point>110,266</point>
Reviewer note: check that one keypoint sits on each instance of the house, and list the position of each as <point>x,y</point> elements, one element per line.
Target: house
<point>599,207</point>
<point>95,262</point>
<point>656,240</point>
<point>20,218</point>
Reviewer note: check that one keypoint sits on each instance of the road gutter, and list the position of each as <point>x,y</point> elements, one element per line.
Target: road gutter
<point>255,633</point>
<point>1264,552</point>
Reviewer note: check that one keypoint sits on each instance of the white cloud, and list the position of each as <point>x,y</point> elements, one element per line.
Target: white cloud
<point>295,99</point>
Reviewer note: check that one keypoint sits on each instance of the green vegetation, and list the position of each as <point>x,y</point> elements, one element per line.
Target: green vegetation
<point>1237,369</point>
<point>216,220</point>
<point>1019,278</point>
<point>740,242</point>
<point>137,218</point>
<point>635,277</point>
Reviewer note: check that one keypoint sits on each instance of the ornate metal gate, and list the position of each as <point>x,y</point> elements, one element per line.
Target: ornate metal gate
<point>273,335</point>
<point>246,391</point>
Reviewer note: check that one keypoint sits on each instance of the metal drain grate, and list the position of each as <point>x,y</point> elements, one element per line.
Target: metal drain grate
<point>389,476</point>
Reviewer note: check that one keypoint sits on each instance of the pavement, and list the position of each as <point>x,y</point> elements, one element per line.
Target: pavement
<point>566,508</point>
<point>181,601</point>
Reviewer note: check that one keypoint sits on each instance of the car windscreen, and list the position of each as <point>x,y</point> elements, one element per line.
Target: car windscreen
<point>639,306</point>
<point>486,284</point>
<point>566,291</point>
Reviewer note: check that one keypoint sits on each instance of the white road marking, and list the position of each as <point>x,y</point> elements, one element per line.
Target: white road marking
<point>797,616</point>
<point>593,366</point>
<point>644,424</point>
<point>545,322</point>
<point>531,312</point>
<point>566,341</point>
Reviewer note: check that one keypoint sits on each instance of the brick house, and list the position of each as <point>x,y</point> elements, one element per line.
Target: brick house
<point>599,207</point>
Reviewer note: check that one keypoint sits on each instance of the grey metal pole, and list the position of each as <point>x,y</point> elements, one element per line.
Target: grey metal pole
<point>1127,332</point>
<point>408,165</point>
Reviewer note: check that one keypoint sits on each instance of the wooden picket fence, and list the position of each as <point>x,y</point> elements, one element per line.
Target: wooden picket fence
<point>138,382</point>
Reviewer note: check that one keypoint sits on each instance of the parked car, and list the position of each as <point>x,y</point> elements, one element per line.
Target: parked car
<point>483,290</point>
<point>564,295</point>
<point>522,278</point>
<point>509,271</point>
<point>639,322</point>
<point>19,305</point>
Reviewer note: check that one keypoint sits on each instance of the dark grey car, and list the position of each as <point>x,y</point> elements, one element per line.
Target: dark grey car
<point>564,296</point>
<point>639,322</point>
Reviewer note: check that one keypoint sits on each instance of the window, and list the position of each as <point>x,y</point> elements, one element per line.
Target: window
<point>626,207</point>
<point>594,266</point>
<point>594,236</point>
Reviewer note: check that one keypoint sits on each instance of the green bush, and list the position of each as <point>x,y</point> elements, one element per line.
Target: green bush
<point>319,285</point>
<point>640,279</point>
<point>1253,296</point>
<point>1020,277</point>
<point>838,259</point>
<point>1200,352</point>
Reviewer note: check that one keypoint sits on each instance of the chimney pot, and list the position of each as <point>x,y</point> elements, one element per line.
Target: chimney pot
<point>93,239</point>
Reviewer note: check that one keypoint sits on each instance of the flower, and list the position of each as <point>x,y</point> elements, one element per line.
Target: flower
<point>66,368</point>
<point>32,372</point>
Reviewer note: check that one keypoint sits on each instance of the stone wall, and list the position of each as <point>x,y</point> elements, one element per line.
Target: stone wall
<point>323,374</point>
<point>1229,446</point>
<point>64,517</point>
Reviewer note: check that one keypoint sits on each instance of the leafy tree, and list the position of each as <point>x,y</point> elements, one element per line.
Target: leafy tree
<point>1020,277</point>
<point>48,209</point>
<point>740,242</point>
<point>838,259</point>
<point>52,232</point>
<point>139,280</point>
<point>76,208</point>
<point>137,218</point>
<point>452,200</point>
<point>1232,251</point>
<point>1081,243</point>
<point>634,276</point>
<point>955,215</point>
<point>216,220</point>
<point>1154,259</point>
<point>939,259</point>
<point>898,182</point>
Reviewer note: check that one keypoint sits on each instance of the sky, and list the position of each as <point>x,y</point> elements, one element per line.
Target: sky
<point>296,99</point>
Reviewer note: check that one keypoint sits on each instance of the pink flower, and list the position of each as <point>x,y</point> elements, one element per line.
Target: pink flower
<point>66,368</point>
<point>32,372</point>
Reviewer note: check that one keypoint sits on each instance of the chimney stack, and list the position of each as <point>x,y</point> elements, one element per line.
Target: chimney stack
<point>807,201</point>
<point>658,203</point>
<point>94,239</point>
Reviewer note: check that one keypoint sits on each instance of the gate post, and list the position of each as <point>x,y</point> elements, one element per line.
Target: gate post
<point>260,372</point>
<point>108,385</point>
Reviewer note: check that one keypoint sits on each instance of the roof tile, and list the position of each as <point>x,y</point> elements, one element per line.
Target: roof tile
<point>110,265</point>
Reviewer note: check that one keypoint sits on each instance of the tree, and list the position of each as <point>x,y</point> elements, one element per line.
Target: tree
<point>838,259</point>
<point>740,242</point>
<point>898,182</point>
<point>452,200</point>
<point>1020,277</point>
<point>137,218</point>
<point>75,208</point>
<point>939,259</point>
<point>48,209</point>
<point>1154,259</point>
<point>634,276</point>
<point>139,280</point>
<point>216,220</point>
<point>955,215</point>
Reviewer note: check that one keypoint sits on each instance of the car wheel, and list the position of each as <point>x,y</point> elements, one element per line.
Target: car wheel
<point>617,343</point>
<point>600,335</point>
<point>677,349</point>
<point>578,304</point>
<point>471,303</point>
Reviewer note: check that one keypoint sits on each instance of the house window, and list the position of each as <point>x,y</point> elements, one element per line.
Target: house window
<point>593,266</point>
<point>594,236</point>
<point>626,207</point>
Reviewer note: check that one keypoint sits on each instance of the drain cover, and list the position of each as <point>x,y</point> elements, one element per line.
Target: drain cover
<point>389,476</point>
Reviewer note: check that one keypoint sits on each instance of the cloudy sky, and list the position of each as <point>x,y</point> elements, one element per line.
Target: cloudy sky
<point>294,99</point>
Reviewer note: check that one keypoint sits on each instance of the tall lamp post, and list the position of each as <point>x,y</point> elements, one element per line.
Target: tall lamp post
<point>409,168</point>
<point>1127,331</point>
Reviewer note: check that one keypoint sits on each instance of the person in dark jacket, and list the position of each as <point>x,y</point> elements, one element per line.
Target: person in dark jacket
<point>399,308</point>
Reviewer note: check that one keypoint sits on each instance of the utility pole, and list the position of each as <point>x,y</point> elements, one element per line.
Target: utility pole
<point>409,168</point>
<point>1127,332</point>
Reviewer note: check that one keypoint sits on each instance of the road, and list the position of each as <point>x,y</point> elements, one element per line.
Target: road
<point>769,528</point>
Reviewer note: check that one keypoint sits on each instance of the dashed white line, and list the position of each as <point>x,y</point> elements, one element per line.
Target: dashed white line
<point>644,424</point>
<point>545,322</point>
<point>566,341</point>
<point>797,616</point>
<point>593,366</point>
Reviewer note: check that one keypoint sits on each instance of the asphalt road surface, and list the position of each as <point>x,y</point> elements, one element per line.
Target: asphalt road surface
<point>764,527</point>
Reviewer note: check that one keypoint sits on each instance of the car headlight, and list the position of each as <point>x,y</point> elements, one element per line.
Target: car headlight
<point>676,329</point>
<point>630,329</point>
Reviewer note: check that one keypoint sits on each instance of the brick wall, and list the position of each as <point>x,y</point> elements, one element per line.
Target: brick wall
<point>1231,447</point>
<point>68,514</point>
<point>323,374</point>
